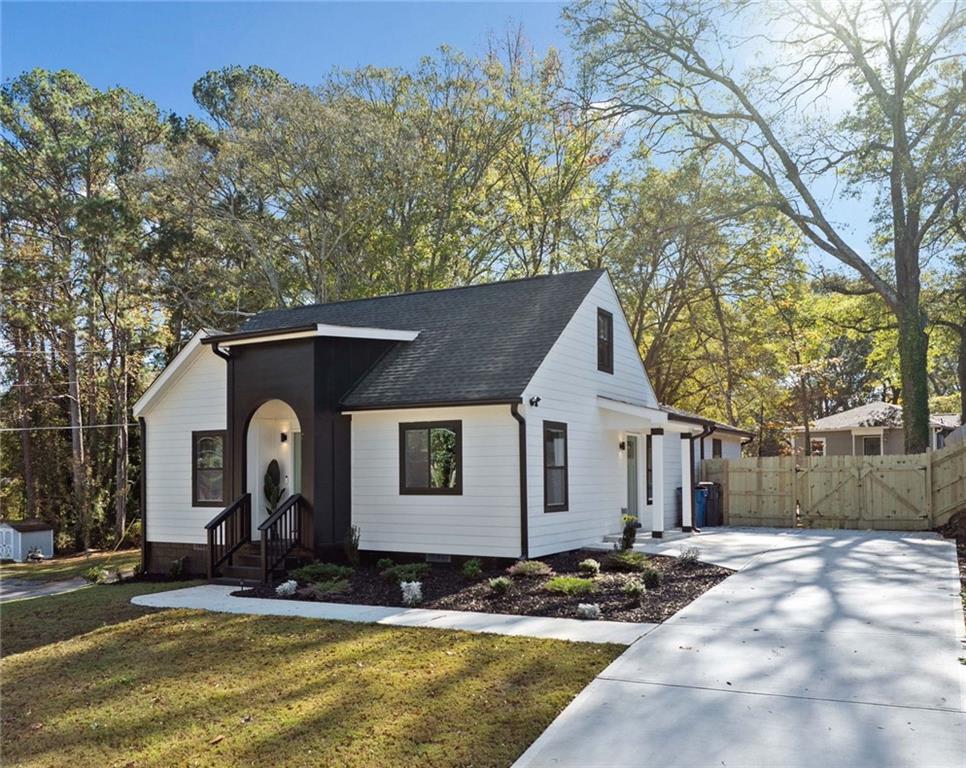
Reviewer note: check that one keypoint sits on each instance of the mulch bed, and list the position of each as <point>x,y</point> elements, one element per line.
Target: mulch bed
<point>446,588</point>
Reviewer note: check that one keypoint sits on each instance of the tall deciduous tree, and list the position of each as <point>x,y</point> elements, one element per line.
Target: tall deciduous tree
<point>676,67</point>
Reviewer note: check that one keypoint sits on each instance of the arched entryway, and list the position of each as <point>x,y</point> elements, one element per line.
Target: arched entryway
<point>273,433</point>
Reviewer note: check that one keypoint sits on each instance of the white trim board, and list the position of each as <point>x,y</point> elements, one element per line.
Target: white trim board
<point>331,331</point>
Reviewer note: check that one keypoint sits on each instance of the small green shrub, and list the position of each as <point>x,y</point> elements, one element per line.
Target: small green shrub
<point>589,567</point>
<point>627,561</point>
<point>332,587</point>
<point>472,569</point>
<point>500,585</point>
<point>319,572</point>
<point>528,568</point>
<point>651,577</point>
<point>634,589</point>
<point>384,563</point>
<point>406,572</point>
<point>351,544</point>
<point>178,568</point>
<point>629,532</point>
<point>96,574</point>
<point>569,585</point>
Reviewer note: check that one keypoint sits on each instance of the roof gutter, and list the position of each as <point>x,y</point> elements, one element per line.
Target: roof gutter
<point>224,338</point>
<point>708,423</point>
<point>706,432</point>
<point>524,520</point>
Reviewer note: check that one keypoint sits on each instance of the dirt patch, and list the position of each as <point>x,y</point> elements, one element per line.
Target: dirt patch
<point>447,588</point>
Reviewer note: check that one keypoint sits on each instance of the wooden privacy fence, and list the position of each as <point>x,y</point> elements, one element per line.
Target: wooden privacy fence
<point>900,493</point>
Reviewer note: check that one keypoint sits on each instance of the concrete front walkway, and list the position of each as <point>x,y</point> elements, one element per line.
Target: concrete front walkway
<point>827,649</point>
<point>214,597</point>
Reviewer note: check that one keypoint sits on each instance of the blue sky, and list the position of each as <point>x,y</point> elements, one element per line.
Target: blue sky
<point>160,49</point>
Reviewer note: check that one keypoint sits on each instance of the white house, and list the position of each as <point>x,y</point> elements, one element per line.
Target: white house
<point>19,537</point>
<point>511,420</point>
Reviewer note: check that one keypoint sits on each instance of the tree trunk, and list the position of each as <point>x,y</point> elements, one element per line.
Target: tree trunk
<point>913,348</point>
<point>121,457</point>
<point>26,437</point>
<point>78,457</point>
<point>961,372</point>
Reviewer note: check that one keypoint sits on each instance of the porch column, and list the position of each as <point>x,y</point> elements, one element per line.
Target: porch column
<point>687,481</point>
<point>657,469</point>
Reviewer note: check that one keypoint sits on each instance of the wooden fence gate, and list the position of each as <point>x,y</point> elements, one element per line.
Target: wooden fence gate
<point>905,493</point>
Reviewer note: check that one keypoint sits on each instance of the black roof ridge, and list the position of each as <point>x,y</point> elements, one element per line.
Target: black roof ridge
<point>422,291</point>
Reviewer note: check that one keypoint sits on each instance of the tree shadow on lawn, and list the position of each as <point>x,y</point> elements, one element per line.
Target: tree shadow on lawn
<point>180,685</point>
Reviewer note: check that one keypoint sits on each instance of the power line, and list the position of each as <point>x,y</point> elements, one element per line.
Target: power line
<point>83,426</point>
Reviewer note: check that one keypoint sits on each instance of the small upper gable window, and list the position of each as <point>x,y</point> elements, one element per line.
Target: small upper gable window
<point>605,341</point>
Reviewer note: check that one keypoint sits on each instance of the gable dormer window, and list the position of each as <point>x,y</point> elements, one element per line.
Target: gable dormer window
<point>605,341</point>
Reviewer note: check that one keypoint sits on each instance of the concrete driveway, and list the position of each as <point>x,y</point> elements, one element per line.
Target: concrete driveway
<point>827,648</point>
<point>24,589</point>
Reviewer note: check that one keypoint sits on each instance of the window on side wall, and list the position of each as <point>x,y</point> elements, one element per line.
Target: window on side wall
<point>715,448</point>
<point>431,457</point>
<point>818,446</point>
<point>555,490</point>
<point>208,468</point>
<point>605,341</point>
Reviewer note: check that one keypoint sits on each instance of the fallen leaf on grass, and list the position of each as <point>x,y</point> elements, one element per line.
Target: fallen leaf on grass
<point>216,739</point>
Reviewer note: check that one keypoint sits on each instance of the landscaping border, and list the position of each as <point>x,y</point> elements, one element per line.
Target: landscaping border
<point>218,598</point>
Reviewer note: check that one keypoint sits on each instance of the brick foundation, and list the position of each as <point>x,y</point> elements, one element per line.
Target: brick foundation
<point>162,553</point>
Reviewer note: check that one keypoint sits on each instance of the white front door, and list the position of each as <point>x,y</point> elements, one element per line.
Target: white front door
<point>633,454</point>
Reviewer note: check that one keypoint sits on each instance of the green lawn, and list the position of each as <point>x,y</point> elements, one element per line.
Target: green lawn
<point>27,624</point>
<point>191,688</point>
<point>68,567</point>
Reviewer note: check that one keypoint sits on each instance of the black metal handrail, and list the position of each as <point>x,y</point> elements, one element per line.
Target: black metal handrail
<point>286,529</point>
<point>228,531</point>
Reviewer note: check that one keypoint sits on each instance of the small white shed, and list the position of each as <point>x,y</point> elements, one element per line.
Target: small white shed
<point>19,537</point>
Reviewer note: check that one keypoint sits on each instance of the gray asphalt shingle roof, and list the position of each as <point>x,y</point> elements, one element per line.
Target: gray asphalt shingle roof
<point>877,414</point>
<point>475,343</point>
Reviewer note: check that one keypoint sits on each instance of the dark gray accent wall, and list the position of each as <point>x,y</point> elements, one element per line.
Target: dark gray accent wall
<point>311,376</point>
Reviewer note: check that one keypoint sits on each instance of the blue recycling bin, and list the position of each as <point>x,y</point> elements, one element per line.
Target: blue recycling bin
<point>700,506</point>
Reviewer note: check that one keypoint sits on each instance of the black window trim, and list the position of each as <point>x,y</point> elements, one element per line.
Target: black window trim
<point>454,424</point>
<point>717,448</point>
<point>608,365</point>
<point>195,437</point>
<point>561,427</point>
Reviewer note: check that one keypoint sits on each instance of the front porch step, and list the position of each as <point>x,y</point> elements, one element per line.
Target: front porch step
<point>248,573</point>
<point>642,536</point>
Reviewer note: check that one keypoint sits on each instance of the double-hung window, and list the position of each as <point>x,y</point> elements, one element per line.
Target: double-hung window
<point>555,492</point>
<point>208,468</point>
<point>431,457</point>
<point>605,341</point>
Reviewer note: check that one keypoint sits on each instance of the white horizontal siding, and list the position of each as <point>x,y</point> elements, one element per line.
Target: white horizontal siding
<point>483,520</point>
<point>568,384</point>
<point>196,401</point>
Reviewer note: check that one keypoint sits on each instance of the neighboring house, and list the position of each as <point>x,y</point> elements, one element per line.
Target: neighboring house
<point>957,436</point>
<point>505,420</point>
<point>19,537</point>
<point>873,429</point>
